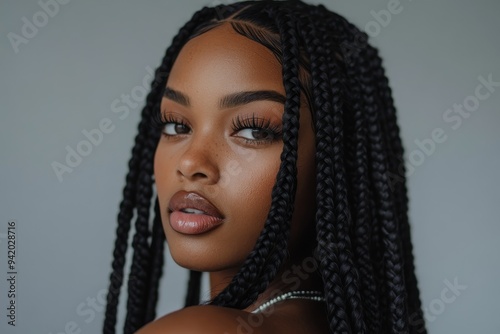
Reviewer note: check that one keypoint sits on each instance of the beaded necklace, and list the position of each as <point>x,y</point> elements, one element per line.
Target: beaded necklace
<point>309,295</point>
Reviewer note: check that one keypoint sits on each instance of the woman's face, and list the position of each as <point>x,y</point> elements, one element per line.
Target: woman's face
<point>219,153</point>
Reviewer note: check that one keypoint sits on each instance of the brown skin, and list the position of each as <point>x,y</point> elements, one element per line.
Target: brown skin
<point>236,173</point>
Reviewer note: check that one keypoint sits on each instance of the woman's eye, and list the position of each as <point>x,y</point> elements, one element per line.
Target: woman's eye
<point>256,130</point>
<point>173,128</point>
<point>256,134</point>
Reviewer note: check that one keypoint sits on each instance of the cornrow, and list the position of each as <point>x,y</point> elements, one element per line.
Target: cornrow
<point>363,242</point>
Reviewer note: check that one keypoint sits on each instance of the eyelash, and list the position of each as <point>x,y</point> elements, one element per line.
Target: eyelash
<point>254,122</point>
<point>159,120</point>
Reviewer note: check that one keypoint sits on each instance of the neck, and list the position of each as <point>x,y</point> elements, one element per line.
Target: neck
<point>219,280</point>
<point>300,274</point>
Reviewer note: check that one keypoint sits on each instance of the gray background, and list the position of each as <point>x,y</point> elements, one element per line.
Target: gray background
<point>66,77</point>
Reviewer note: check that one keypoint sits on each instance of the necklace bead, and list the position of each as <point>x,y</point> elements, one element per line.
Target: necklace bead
<point>309,295</point>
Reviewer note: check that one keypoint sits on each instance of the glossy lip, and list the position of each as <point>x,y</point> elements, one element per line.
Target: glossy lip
<point>190,223</point>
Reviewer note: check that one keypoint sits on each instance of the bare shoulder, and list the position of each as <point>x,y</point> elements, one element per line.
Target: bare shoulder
<point>209,319</point>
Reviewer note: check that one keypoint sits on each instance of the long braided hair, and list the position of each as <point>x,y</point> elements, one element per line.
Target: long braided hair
<point>363,245</point>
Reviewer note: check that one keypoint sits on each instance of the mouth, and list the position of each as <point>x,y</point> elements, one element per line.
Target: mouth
<point>191,213</point>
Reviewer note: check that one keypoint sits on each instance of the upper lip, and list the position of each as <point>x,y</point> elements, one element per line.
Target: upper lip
<point>183,200</point>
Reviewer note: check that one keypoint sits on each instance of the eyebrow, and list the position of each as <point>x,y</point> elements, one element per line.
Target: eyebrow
<point>241,98</point>
<point>176,96</point>
<point>231,100</point>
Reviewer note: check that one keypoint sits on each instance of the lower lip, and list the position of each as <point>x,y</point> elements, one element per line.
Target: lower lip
<point>188,223</point>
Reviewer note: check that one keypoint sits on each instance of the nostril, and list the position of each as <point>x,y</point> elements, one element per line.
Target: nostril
<point>197,176</point>
<point>197,163</point>
<point>198,173</point>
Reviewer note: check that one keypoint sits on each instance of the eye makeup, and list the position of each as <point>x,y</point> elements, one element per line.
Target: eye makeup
<point>250,128</point>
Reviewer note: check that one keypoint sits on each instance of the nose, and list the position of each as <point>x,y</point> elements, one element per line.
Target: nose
<point>198,162</point>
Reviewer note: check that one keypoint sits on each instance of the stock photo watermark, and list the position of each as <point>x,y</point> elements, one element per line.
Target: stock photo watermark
<point>381,20</point>
<point>120,107</point>
<point>292,278</point>
<point>11,248</point>
<point>86,311</point>
<point>453,117</point>
<point>31,26</point>
<point>437,306</point>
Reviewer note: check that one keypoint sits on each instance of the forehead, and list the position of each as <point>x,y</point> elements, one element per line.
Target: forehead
<point>223,61</point>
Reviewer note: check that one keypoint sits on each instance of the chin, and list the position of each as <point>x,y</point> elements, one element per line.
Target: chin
<point>203,256</point>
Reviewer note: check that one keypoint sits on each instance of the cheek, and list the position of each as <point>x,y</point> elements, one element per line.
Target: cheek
<point>165,177</point>
<point>244,195</point>
<point>248,199</point>
<point>248,194</point>
<point>161,171</point>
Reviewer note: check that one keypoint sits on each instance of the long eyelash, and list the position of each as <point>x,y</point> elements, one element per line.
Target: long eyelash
<point>255,122</point>
<point>159,120</point>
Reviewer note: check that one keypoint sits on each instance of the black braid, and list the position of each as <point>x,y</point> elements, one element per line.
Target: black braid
<point>124,217</point>
<point>133,181</point>
<point>389,228</point>
<point>156,252</point>
<point>141,261</point>
<point>327,250</point>
<point>363,216</point>
<point>341,110</point>
<point>264,261</point>
<point>138,280</point>
<point>194,284</point>
<point>363,237</point>
<point>397,168</point>
<point>356,145</point>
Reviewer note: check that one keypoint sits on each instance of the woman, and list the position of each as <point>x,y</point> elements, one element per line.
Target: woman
<point>272,136</point>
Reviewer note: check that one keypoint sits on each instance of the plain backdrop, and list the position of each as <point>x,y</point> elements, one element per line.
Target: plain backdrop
<point>64,78</point>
